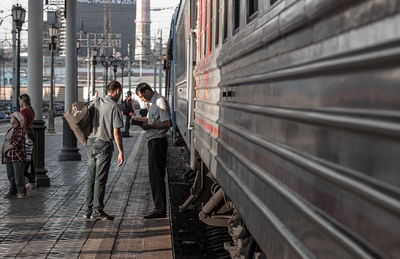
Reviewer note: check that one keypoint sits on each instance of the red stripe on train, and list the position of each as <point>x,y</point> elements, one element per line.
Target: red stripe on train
<point>197,86</point>
<point>206,77</point>
<point>208,127</point>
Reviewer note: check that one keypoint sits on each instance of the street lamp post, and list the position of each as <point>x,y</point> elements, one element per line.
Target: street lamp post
<point>18,13</point>
<point>122,65</point>
<point>52,34</point>
<point>94,63</point>
<point>78,47</point>
<point>115,65</point>
<point>105,61</point>
<point>129,67</point>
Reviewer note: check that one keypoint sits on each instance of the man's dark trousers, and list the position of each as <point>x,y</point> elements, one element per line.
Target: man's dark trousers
<point>127,125</point>
<point>99,154</point>
<point>157,159</point>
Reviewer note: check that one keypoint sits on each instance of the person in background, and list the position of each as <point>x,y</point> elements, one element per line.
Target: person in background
<point>128,111</point>
<point>27,110</point>
<point>29,116</point>
<point>156,125</point>
<point>143,108</point>
<point>14,156</point>
<point>28,163</point>
<point>107,124</point>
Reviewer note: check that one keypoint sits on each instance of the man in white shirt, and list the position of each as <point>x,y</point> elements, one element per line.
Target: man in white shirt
<point>156,124</point>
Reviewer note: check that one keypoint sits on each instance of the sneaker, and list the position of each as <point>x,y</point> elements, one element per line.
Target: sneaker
<point>9,195</point>
<point>30,186</point>
<point>101,215</point>
<point>125,135</point>
<point>155,215</point>
<point>21,196</point>
<point>87,214</point>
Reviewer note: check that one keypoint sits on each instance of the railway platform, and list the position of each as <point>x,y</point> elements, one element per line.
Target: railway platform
<point>49,223</point>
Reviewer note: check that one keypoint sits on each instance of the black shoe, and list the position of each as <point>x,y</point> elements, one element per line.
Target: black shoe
<point>155,215</point>
<point>87,214</point>
<point>101,215</point>
<point>9,195</point>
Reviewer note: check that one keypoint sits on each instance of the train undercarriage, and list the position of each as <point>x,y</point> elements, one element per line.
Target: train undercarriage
<point>218,210</point>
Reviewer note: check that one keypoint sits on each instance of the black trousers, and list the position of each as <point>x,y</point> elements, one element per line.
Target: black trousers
<point>157,159</point>
<point>127,125</point>
<point>31,175</point>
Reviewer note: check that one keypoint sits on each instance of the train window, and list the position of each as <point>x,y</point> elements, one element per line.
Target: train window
<point>201,30</point>
<point>236,15</point>
<point>194,48</point>
<point>205,27</point>
<point>193,14</point>
<point>272,2</point>
<point>210,45</point>
<point>217,12</point>
<point>225,19</point>
<point>252,8</point>
<point>180,71</point>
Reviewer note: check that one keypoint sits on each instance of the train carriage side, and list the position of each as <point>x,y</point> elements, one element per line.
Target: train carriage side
<point>294,108</point>
<point>207,92</point>
<point>309,139</point>
<point>195,94</point>
<point>181,74</point>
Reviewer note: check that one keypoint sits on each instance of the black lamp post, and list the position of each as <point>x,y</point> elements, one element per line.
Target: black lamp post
<point>115,62</point>
<point>78,47</point>
<point>106,62</point>
<point>18,14</point>
<point>94,63</point>
<point>52,34</point>
<point>122,65</point>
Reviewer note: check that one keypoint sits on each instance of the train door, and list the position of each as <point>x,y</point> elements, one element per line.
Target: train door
<point>191,62</point>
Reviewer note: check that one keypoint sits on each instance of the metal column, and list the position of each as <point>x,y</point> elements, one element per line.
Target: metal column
<point>129,66</point>
<point>161,64</point>
<point>155,75</point>
<point>14,82</point>
<point>18,86</point>
<point>91,93</point>
<point>69,151</point>
<point>35,86</point>
<point>88,68</point>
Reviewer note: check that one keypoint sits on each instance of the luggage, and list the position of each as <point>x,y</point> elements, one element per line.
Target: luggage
<point>79,119</point>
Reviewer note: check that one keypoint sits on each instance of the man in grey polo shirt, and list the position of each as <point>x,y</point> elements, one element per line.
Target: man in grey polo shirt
<point>107,124</point>
<point>156,124</point>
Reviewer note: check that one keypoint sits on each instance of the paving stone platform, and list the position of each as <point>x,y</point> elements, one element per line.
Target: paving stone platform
<point>49,223</point>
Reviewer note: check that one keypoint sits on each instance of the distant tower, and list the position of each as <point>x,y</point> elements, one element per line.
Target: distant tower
<point>142,42</point>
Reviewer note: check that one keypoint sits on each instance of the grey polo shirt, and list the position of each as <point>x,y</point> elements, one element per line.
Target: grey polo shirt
<point>159,111</point>
<point>107,117</point>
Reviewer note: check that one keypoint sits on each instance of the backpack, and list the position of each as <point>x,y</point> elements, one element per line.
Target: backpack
<point>125,107</point>
<point>79,119</point>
